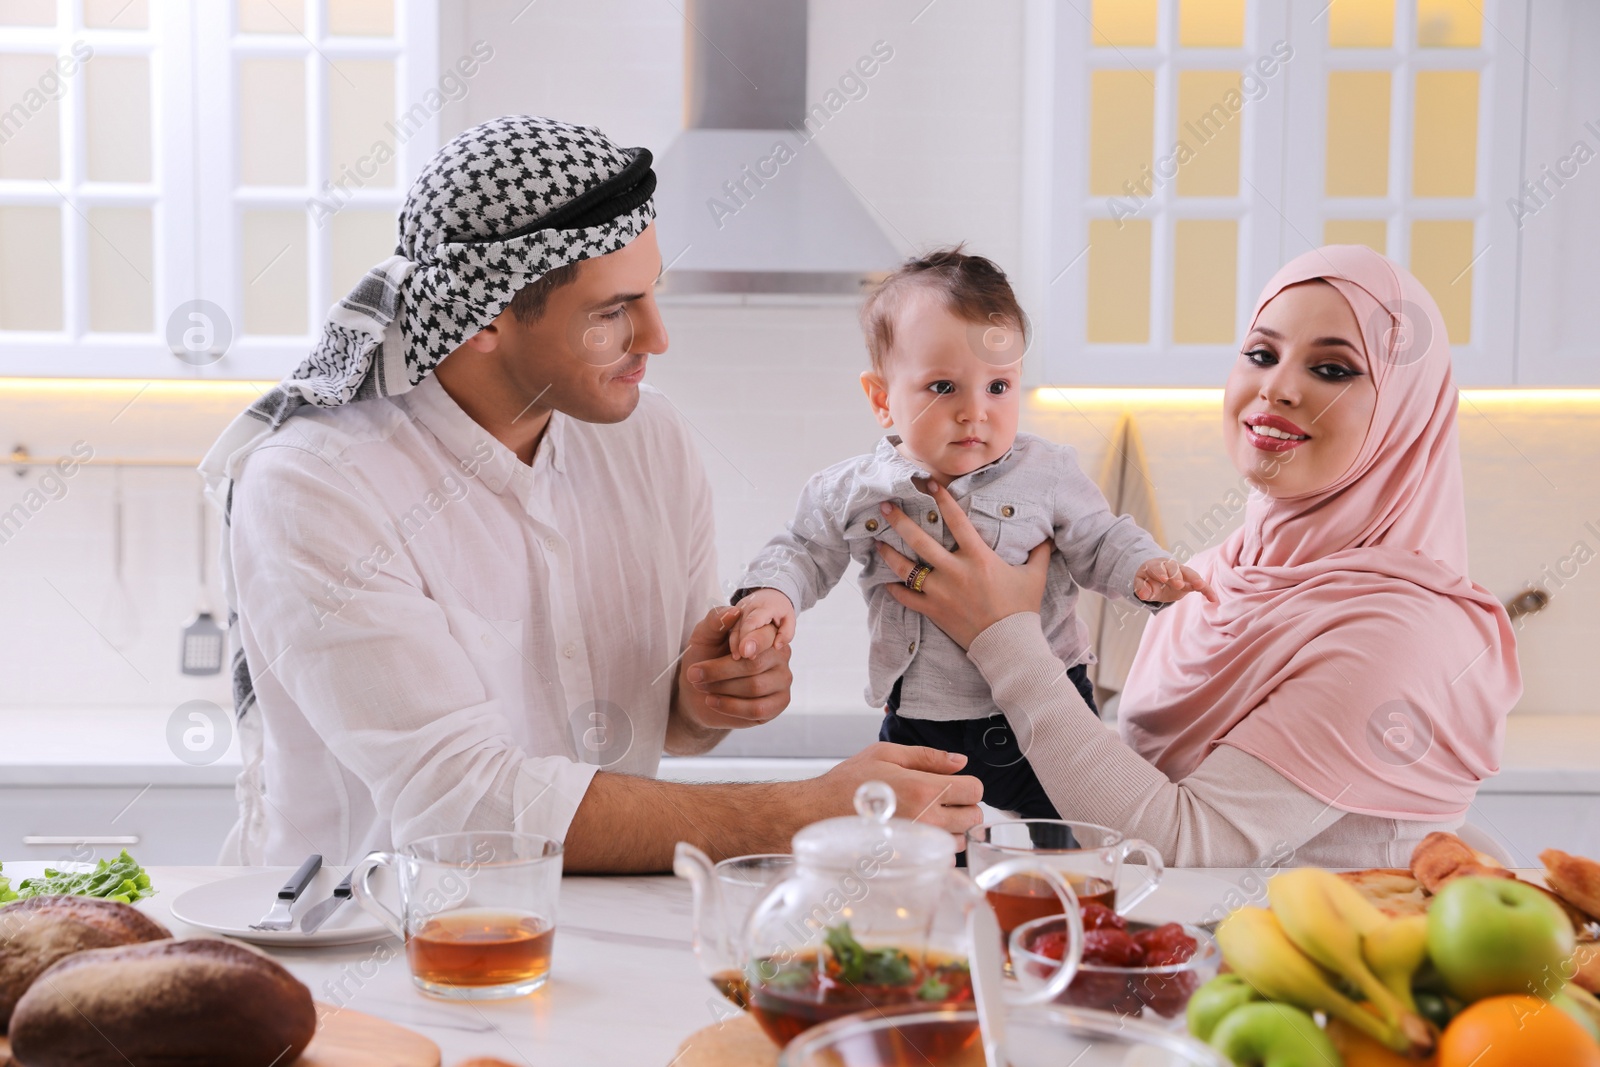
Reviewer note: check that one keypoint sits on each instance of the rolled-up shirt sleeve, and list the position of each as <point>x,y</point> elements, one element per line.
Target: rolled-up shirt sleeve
<point>342,623</point>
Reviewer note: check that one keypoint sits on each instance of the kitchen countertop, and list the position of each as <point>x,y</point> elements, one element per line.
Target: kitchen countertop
<point>624,988</point>
<point>129,746</point>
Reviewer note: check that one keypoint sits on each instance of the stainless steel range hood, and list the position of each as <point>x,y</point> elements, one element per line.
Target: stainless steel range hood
<point>746,201</point>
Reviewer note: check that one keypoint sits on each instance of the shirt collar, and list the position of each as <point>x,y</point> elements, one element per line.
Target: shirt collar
<point>476,449</point>
<point>904,469</point>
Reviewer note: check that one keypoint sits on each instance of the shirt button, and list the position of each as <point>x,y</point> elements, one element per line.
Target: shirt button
<point>1007,511</point>
<point>550,543</point>
<point>912,647</point>
<point>872,526</point>
<point>568,651</point>
<point>933,516</point>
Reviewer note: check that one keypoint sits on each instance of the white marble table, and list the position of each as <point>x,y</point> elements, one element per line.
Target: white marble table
<point>624,988</point>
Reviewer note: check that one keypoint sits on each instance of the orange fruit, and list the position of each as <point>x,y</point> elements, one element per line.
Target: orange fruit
<point>1359,1050</point>
<point>1516,1031</point>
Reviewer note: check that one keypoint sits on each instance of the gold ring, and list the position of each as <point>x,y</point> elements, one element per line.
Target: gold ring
<point>918,575</point>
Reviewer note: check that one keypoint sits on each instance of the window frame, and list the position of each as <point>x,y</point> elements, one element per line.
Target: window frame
<point>1488,358</point>
<point>193,47</point>
<point>1281,156</point>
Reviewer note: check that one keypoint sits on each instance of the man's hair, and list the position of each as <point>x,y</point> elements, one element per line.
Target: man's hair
<point>530,300</point>
<point>972,288</point>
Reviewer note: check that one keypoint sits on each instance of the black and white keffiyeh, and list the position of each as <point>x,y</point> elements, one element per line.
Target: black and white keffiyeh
<point>497,208</point>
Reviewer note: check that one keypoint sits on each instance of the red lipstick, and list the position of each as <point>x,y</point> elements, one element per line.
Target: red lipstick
<point>1287,435</point>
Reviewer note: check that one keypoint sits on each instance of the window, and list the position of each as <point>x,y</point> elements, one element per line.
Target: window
<point>184,177</point>
<point>1200,144</point>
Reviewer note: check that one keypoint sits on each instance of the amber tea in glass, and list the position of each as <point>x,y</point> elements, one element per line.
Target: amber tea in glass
<point>477,947</point>
<point>477,911</point>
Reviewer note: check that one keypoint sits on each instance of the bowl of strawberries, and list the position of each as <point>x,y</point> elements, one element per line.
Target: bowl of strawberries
<point>1142,970</point>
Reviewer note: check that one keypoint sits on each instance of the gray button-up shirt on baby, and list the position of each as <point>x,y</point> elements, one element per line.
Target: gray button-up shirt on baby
<point>1033,492</point>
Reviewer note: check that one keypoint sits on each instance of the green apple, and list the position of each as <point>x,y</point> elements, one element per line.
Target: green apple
<point>1582,1006</point>
<point>1216,999</point>
<point>1493,936</point>
<point>1265,1034</point>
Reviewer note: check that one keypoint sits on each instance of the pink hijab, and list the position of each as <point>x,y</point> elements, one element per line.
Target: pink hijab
<point>1349,652</point>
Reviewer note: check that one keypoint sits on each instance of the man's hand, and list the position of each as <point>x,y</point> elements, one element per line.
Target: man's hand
<point>1165,580</point>
<point>762,607</point>
<point>718,692</point>
<point>926,787</point>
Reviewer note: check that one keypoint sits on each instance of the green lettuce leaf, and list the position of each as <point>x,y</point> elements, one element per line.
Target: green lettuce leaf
<point>115,879</point>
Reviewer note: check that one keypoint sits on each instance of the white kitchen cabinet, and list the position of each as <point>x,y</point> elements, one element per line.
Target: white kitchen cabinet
<point>157,824</point>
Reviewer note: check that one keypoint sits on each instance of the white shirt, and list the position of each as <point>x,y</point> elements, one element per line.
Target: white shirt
<point>444,638</point>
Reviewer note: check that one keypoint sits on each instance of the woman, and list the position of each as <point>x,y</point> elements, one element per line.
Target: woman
<point>1349,691</point>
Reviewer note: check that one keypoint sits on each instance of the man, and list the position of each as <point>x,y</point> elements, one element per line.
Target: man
<point>471,559</point>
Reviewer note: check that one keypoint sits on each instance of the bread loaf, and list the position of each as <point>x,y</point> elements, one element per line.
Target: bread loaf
<point>38,931</point>
<point>164,1004</point>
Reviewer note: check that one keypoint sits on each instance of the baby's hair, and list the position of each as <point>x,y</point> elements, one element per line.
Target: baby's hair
<point>972,287</point>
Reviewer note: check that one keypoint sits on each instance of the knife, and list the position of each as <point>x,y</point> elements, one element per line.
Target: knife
<point>320,912</point>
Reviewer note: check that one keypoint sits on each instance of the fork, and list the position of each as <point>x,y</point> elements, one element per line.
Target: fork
<point>279,918</point>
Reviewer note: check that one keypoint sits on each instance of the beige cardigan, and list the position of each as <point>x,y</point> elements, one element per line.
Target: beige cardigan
<point>1233,811</point>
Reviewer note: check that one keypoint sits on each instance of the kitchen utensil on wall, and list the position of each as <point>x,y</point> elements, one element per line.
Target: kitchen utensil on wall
<point>119,617</point>
<point>1530,601</point>
<point>203,642</point>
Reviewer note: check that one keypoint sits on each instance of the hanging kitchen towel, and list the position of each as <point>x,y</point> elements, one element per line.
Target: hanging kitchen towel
<point>1125,480</point>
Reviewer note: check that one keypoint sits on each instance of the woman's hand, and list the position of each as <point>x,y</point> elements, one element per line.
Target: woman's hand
<point>971,588</point>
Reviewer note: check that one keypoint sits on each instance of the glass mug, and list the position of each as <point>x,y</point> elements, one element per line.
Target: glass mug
<point>741,883</point>
<point>1090,857</point>
<point>477,911</point>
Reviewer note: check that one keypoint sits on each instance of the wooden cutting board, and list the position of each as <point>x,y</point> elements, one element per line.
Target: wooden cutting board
<point>737,1042</point>
<point>347,1039</point>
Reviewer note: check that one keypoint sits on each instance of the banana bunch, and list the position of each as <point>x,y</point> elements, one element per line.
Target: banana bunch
<point>1323,937</point>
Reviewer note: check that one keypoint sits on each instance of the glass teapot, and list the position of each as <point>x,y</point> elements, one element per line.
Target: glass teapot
<point>872,915</point>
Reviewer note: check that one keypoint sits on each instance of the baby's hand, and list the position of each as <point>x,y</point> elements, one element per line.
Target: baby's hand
<point>764,607</point>
<point>1166,580</point>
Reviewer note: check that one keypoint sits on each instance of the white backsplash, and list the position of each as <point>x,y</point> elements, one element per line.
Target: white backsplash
<point>772,396</point>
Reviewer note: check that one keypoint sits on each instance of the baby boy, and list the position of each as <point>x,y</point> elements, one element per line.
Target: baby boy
<point>946,335</point>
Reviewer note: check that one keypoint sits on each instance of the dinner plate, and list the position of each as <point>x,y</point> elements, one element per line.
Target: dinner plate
<point>1184,896</point>
<point>231,905</point>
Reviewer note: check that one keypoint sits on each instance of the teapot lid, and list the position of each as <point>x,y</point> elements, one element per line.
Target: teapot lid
<point>873,835</point>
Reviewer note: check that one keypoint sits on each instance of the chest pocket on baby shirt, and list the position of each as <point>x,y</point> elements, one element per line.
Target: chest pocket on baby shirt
<point>866,528</point>
<point>1011,526</point>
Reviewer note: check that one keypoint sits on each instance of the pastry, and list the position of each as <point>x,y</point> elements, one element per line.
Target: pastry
<point>1575,879</point>
<point>1442,857</point>
<point>1586,962</point>
<point>1392,890</point>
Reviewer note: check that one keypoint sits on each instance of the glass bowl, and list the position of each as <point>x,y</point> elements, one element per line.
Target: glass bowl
<point>1156,995</point>
<point>1046,1036</point>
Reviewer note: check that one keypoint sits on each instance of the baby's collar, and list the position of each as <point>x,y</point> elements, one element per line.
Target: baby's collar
<point>905,469</point>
